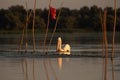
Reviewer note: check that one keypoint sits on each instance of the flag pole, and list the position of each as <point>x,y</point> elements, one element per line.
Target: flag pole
<point>54,28</point>
<point>46,32</point>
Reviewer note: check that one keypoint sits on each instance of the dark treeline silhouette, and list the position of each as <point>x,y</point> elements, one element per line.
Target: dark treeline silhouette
<point>14,18</point>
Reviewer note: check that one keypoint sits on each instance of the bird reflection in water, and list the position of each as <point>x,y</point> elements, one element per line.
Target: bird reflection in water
<point>60,63</point>
<point>60,60</point>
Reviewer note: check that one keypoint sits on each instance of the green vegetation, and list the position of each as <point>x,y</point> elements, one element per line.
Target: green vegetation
<point>84,19</point>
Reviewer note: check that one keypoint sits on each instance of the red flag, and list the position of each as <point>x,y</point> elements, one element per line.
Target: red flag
<point>53,12</point>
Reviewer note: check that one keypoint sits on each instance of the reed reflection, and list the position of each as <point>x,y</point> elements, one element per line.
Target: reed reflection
<point>24,66</point>
<point>45,68</point>
<point>25,69</point>
<point>47,63</point>
<point>53,70</point>
<point>34,78</point>
<point>113,74</point>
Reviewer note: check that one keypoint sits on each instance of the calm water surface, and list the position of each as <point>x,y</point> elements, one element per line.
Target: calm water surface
<point>82,68</point>
<point>56,69</point>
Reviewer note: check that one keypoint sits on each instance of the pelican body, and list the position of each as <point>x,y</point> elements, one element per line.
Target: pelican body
<point>65,49</point>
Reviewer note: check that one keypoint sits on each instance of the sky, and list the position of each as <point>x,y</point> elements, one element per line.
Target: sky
<point>72,4</point>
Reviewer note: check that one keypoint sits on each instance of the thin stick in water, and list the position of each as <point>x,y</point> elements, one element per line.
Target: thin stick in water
<point>33,28</point>
<point>48,22</point>
<point>106,45</point>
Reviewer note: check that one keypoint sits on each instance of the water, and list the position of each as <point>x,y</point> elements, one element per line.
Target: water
<point>82,68</point>
<point>56,69</point>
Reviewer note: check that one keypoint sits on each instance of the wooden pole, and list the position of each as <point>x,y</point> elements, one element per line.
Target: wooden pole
<point>46,32</point>
<point>33,28</point>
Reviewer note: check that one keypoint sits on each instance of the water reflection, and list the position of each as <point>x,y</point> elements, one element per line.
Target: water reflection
<point>60,63</point>
<point>60,59</point>
<point>52,69</point>
<point>24,65</point>
<point>26,68</point>
<point>48,65</point>
<point>73,69</point>
<point>34,75</point>
<point>112,61</point>
<point>45,68</point>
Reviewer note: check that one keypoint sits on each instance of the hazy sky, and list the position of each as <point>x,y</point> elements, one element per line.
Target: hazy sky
<point>72,4</point>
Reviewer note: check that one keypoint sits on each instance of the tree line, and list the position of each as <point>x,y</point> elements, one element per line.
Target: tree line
<point>14,18</point>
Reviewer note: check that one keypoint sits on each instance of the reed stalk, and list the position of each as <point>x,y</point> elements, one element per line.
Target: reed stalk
<point>103,42</point>
<point>106,44</point>
<point>114,29</point>
<point>26,42</point>
<point>24,32</point>
<point>113,39</point>
<point>46,32</point>
<point>102,25</point>
<point>33,27</point>
<point>21,40</point>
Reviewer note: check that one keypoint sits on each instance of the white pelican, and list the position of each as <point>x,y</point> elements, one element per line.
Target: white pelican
<point>66,48</point>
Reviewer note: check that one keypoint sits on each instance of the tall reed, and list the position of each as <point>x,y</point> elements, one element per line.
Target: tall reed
<point>33,27</point>
<point>114,29</point>
<point>103,42</point>
<point>46,32</point>
<point>26,42</point>
<point>113,40</point>
<point>24,32</point>
<point>106,44</point>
